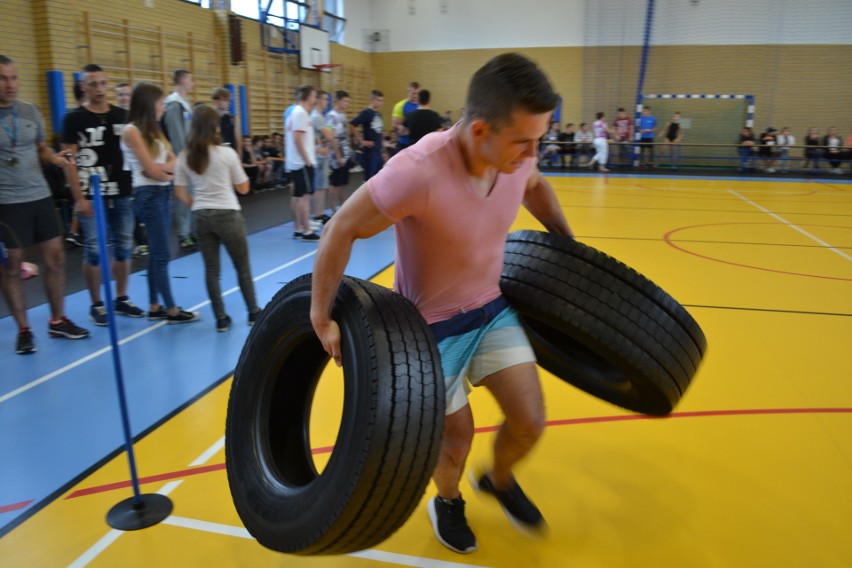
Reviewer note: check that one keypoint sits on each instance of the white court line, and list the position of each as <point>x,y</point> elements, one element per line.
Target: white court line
<point>377,555</point>
<point>791,225</point>
<point>113,535</point>
<point>110,537</point>
<point>52,375</point>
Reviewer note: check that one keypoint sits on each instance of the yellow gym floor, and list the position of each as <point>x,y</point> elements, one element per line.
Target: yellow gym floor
<point>753,469</point>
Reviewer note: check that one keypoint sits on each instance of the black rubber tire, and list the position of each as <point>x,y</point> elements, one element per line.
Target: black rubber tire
<point>600,325</point>
<point>387,445</point>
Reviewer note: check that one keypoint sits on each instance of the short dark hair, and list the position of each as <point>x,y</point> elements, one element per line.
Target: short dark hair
<point>321,93</point>
<point>340,95</point>
<point>599,115</point>
<point>304,91</point>
<point>376,93</point>
<point>220,94</point>
<point>414,85</point>
<point>179,74</point>
<point>92,68</point>
<point>424,96</point>
<point>507,83</point>
<point>620,109</point>
<point>5,60</point>
<point>120,85</point>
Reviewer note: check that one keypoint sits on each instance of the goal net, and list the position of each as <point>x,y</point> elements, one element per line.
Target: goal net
<point>709,125</point>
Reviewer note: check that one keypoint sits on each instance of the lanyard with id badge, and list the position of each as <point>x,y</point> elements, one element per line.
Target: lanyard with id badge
<point>12,133</point>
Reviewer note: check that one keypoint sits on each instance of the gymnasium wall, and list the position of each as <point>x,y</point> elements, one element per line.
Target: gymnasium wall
<point>594,64</point>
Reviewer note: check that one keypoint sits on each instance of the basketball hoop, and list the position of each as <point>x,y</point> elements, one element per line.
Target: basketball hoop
<point>327,67</point>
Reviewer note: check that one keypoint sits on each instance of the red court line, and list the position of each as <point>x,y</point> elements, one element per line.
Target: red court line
<point>567,422</point>
<point>14,506</point>
<point>669,240</point>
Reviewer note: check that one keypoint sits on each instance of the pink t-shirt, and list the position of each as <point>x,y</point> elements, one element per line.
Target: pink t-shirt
<point>449,238</point>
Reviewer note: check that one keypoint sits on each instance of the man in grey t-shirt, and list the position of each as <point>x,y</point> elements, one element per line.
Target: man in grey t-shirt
<point>27,213</point>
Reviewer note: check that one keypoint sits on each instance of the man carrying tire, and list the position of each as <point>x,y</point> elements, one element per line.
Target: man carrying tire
<point>452,198</point>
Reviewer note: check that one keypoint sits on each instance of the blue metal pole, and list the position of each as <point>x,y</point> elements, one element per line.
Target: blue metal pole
<point>646,47</point>
<point>100,221</point>
<point>244,121</point>
<point>56,99</point>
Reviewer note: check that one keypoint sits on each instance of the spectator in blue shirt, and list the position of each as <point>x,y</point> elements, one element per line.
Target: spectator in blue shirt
<point>646,126</point>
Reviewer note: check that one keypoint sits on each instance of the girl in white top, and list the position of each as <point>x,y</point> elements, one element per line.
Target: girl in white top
<point>215,172</point>
<point>601,132</point>
<point>151,161</point>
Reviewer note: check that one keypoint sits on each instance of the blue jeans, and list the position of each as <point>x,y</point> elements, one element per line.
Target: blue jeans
<point>118,213</point>
<point>153,207</point>
<point>372,161</point>
<point>183,215</point>
<point>745,157</point>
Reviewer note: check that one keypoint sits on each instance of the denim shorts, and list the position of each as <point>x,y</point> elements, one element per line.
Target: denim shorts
<point>478,343</point>
<point>120,221</point>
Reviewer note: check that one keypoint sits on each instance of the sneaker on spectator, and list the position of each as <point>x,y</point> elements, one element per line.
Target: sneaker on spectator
<point>252,317</point>
<point>450,526</point>
<point>297,235</point>
<point>98,314</point>
<point>517,506</point>
<point>160,314</point>
<point>141,250</point>
<point>64,327</point>
<point>74,239</point>
<point>124,307</point>
<point>24,343</point>
<point>182,317</point>
<point>315,225</point>
<point>321,218</point>
<point>187,243</point>
<point>223,324</point>
<point>312,236</point>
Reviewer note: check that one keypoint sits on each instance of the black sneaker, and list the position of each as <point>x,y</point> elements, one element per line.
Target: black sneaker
<point>520,510</point>
<point>252,317</point>
<point>321,218</point>
<point>182,317</point>
<point>297,235</point>
<point>25,343</point>
<point>97,313</point>
<point>66,328</point>
<point>312,236</point>
<point>188,243</point>
<point>450,526</point>
<point>223,324</point>
<point>124,307</point>
<point>160,314</point>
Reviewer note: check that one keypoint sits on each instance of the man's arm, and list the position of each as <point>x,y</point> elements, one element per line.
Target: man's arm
<point>175,125</point>
<point>299,140</point>
<point>541,201</point>
<point>358,218</point>
<point>82,205</point>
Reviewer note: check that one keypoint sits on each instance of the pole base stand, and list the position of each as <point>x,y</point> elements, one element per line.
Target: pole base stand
<point>130,515</point>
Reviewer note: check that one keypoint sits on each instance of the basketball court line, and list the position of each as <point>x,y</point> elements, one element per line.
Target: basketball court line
<point>699,210</point>
<point>791,225</point>
<point>197,467</point>
<point>404,560</point>
<point>767,310</point>
<point>704,241</point>
<point>52,375</point>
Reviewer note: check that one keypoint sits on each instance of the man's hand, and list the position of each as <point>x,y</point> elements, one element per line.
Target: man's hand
<point>63,159</point>
<point>329,335</point>
<point>83,207</point>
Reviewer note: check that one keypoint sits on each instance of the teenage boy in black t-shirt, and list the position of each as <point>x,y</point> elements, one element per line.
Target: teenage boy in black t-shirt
<point>371,135</point>
<point>93,133</point>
